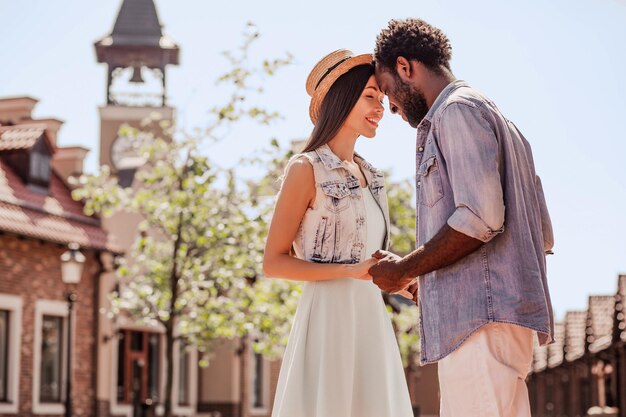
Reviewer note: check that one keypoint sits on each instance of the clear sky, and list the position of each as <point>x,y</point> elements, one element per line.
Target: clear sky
<point>556,68</point>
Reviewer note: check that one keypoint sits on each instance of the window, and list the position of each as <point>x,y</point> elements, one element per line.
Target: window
<point>585,394</point>
<point>10,342</point>
<point>549,396</point>
<point>610,386</point>
<point>39,170</point>
<point>259,383</point>
<point>566,388</point>
<point>154,356</point>
<point>121,365</point>
<point>184,397</point>
<point>183,374</point>
<point>136,341</point>
<point>51,359</point>
<point>4,354</point>
<point>257,393</point>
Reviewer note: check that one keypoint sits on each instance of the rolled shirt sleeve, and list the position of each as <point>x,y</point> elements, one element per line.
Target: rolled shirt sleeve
<point>471,152</point>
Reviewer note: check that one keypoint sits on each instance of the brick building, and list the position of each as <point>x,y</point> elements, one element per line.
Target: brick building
<point>38,219</point>
<point>584,372</point>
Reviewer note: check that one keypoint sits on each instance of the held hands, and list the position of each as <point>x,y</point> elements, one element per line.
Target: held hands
<point>360,270</point>
<point>388,274</point>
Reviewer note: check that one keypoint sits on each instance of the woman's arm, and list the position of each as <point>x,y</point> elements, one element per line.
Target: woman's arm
<point>295,197</point>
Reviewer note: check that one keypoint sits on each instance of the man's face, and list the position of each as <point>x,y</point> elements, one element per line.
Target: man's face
<point>404,98</point>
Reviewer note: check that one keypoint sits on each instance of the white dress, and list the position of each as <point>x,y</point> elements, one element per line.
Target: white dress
<point>342,359</point>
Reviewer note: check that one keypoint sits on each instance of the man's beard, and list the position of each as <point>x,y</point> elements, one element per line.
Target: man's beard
<point>412,101</point>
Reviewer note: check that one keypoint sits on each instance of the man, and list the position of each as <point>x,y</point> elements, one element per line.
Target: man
<point>482,229</point>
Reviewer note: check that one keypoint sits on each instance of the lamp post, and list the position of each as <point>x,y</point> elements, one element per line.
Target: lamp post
<point>72,263</point>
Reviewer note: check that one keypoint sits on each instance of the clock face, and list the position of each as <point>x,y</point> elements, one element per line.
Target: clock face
<point>122,151</point>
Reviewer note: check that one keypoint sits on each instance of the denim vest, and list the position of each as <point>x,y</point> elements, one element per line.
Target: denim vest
<point>475,172</point>
<point>333,230</point>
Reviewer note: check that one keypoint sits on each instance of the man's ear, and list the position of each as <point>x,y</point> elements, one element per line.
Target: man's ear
<point>404,68</point>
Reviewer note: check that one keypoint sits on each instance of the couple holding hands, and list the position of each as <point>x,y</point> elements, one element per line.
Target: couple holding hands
<point>478,274</point>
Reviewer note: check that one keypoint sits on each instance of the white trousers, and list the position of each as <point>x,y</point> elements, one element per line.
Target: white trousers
<point>485,377</point>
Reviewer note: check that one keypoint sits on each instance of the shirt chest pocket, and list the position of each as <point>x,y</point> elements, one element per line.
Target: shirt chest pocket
<point>337,195</point>
<point>429,186</point>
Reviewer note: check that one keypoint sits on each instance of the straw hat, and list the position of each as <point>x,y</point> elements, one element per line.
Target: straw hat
<point>325,73</point>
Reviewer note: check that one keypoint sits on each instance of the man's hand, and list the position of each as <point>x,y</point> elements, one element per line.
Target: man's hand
<point>388,273</point>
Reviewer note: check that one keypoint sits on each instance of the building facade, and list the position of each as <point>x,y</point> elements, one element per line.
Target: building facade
<point>38,219</point>
<point>584,372</point>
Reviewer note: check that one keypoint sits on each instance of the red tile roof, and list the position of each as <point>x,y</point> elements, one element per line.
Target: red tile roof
<point>600,317</point>
<point>620,307</point>
<point>54,216</point>
<point>555,350</point>
<point>575,326</point>
<point>20,136</point>
<point>590,331</point>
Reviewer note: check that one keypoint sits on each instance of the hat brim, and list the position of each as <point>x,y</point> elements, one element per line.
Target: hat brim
<point>320,92</point>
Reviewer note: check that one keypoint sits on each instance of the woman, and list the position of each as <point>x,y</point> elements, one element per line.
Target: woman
<point>342,359</point>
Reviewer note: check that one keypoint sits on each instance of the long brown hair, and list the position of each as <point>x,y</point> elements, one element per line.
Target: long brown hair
<point>338,104</point>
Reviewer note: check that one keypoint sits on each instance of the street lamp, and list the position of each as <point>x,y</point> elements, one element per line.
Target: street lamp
<point>72,263</point>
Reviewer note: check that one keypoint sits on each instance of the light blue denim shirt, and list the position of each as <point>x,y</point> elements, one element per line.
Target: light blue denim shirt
<point>475,172</point>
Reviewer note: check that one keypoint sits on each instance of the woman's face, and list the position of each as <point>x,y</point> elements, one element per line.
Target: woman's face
<point>368,110</point>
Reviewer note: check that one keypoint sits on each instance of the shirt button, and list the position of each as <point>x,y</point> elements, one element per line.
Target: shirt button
<point>421,149</point>
<point>419,183</point>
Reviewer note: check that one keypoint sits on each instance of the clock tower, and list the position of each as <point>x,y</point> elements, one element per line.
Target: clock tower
<point>136,53</point>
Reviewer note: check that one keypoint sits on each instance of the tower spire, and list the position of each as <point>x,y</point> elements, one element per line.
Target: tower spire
<point>136,41</point>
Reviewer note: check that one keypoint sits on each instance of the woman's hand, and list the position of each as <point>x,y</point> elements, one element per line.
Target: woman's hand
<point>411,291</point>
<point>360,270</point>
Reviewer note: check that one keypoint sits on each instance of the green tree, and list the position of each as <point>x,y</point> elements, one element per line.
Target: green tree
<point>402,216</point>
<point>404,315</point>
<point>201,236</point>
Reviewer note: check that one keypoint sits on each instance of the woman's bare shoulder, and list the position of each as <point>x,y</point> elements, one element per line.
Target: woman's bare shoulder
<point>300,169</point>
